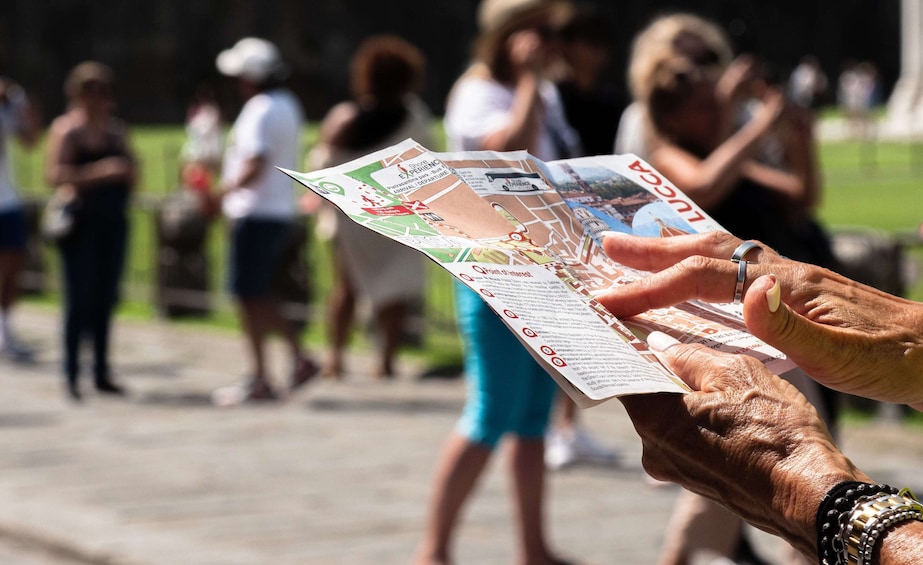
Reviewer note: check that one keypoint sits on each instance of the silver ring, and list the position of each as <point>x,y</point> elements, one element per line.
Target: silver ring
<point>738,257</point>
<point>741,277</point>
<point>743,249</point>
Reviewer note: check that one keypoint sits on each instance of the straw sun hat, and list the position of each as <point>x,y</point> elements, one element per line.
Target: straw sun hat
<point>494,15</point>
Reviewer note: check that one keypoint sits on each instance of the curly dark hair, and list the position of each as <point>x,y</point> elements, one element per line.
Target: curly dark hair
<point>386,68</point>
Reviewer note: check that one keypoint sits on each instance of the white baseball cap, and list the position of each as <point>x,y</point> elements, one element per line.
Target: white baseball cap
<point>251,58</point>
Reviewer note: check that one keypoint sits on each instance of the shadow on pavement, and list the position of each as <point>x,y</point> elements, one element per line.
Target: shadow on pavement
<point>28,420</point>
<point>385,405</point>
<point>133,370</point>
<point>179,400</point>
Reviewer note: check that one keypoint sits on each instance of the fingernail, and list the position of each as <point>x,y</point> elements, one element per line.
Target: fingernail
<point>605,234</point>
<point>660,342</point>
<point>774,295</point>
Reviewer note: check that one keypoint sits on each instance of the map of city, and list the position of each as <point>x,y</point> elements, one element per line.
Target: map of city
<point>458,211</point>
<point>526,235</point>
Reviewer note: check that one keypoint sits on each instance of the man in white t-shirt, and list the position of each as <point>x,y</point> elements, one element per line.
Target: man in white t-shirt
<point>16,119</point>
<point>259,202</point>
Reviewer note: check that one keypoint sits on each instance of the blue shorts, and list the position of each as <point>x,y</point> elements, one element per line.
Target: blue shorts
<point>257,248</point>
<point>13,233</point>
<point>507,390</point>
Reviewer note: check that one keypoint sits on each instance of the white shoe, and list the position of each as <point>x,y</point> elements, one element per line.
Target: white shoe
<point>559,453</point>
<point>591,451</point>
<point>564,448</point>
<point>13,349</point>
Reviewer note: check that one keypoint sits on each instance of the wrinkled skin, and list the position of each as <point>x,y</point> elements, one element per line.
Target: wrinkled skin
<point>744,438</point>
<point>847,336</point>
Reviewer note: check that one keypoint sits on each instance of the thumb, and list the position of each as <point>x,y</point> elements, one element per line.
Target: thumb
<point>771,320</point>
<point>695,364</point>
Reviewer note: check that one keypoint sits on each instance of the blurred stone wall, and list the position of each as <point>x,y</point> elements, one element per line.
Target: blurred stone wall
<point>162,49</point>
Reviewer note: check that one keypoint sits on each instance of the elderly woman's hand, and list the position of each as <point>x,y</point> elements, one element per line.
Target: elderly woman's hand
<point>846,335</point>
<point>744,438</point>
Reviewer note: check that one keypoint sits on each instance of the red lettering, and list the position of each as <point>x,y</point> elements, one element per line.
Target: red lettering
<point>698,217</point>
<point>683,205</point>
<point>647,175</point>
<point>665,191</point>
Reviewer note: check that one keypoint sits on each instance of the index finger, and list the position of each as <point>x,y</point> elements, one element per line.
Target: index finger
<point>656,254</point>
<point>701,367</point>
<point>702,278</point>
<point>696,364</point>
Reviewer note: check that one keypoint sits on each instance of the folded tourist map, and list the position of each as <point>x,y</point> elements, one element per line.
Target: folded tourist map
<point>525,235</point>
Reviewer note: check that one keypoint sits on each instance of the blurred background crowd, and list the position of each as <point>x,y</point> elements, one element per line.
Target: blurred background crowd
<point>177,41</point>
<point>140,142</point>
<point>840,61</point>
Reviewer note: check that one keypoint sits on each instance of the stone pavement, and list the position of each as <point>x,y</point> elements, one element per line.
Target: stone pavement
<point>338,475</point>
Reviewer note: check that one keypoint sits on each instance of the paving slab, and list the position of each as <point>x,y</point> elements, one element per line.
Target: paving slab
<point>340,474</point>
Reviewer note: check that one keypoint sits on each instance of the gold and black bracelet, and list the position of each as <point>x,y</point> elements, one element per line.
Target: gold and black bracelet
<point>853,515</point>
<point>872,518</point>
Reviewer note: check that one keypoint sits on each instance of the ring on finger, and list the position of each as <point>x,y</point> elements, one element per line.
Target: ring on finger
<point>738,257</point>
<point>743,249</point>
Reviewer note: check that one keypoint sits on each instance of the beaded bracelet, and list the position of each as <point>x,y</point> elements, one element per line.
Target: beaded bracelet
<point>834,509</point>
<point>872,518</point>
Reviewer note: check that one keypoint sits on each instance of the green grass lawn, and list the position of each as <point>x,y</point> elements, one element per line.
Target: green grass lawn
<point>876,186</point>
<point>873,185</point>
<point>867,186</point>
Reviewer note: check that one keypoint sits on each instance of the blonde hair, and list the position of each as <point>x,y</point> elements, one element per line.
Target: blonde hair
<point>658,42</point>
